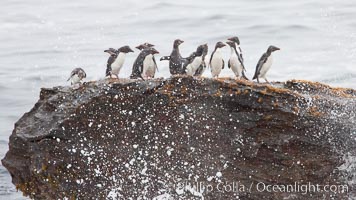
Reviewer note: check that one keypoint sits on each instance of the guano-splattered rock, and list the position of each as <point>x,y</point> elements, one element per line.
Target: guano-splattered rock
<point>122,139</point>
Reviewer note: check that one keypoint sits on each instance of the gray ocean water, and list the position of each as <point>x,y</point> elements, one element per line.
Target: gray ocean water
<point>42,41</point>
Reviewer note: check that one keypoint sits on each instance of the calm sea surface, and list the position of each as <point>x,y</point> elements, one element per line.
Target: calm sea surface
<point>42,41</point>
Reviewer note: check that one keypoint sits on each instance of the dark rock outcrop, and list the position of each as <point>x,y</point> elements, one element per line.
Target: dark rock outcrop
<point>160,139</point>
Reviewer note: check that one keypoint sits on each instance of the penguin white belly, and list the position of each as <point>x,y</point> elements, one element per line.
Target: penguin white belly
<point>216,64</point>
<point>75,79</point>
<point>235,65</point>
<point>117,64</point>
<point>265,67</point>
<point>194,65</point>
<point>149,67</point>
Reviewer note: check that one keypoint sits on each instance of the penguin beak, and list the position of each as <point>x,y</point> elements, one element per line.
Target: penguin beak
<point>155,51</point>
<point>277,49</point>
<point>181,41</point>
<point>231,39</point>
<point>130,50</point>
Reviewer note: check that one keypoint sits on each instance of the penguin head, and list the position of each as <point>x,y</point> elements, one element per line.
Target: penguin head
<point>148,44</point>
<point>153,50</point>
<point>272,48</point>
<point>141,47</point>
<point>144,45</point>
<point>219,45</point>
<point>81,73</point>
<point>111,51</point>
<point>205,49</point>
<point>199,51</point>
<point>232,44</point>
<point>235,39</point>
<point>177,42</point>
<point>125,49</point>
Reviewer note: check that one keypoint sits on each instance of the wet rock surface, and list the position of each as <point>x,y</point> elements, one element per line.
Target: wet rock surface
<point>185,138</point>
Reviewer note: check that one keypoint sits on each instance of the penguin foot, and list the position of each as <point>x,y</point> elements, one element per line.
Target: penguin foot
<point>76,86</point>
<point>113,76</point>
<point>258,80</point>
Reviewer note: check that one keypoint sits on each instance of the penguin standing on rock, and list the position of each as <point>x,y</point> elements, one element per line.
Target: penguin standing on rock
<point>216,60</point>
<point>175,59</point>
<point>194,60</point>
<point>142,61</point>
<point>235,62</point>
<point>238,48</point>
<point>150,67</point>
<point>77,75</point>
<point>202,67</point>
<point>116,60</point>
<point>264,64</point>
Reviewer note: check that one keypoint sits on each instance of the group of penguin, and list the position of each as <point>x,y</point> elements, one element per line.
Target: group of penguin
<point>145,65</point>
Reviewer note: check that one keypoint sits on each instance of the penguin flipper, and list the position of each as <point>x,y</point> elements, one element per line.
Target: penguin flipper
<point>165,58</point>
<point>74,72</point>
<point>108,71</point>
<point>186,61</point>
<point>154,60</point>
<point>211,57</point>
<point>228,64</point>
<point>223,63</point>
<point>241,60</point>
<point>71,75</point>
<point>111,60</point>
<point>240,54</point>
<point>244,76</point>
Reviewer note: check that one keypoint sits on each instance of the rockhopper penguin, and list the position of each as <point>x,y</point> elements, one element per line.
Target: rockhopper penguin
<point>216,60</point>
<point>194,60</point>
<point>238,48</point>
<point>116,60</point>
<point>264,64</point>
<point>142,61</point>
<point>77,75</point>
<point>150,66</point>
<point>175,59</point>
<point>202,67</point>
<point>235,62</point>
